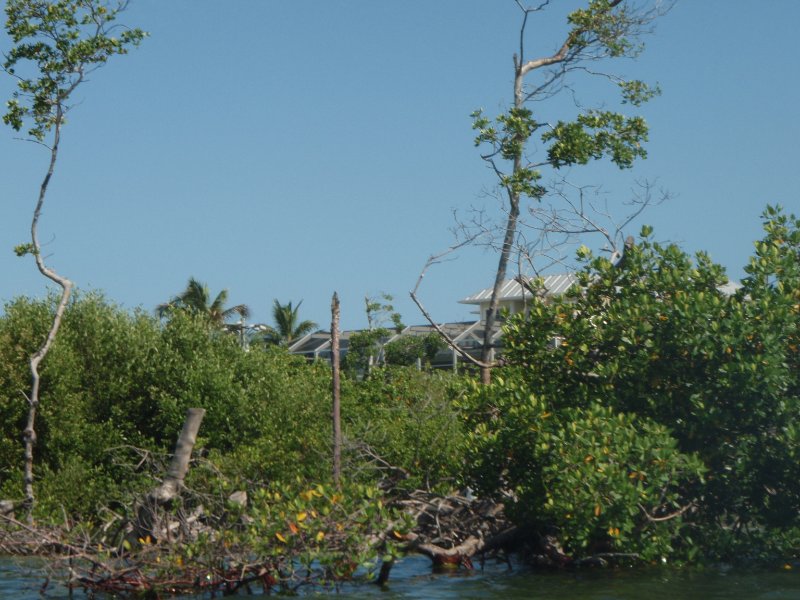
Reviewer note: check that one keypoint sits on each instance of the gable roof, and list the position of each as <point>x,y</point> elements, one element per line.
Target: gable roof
<point>513,290</point>
<point>555,285</point>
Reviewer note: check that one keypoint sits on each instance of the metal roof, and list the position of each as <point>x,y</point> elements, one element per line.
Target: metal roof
<point>320,341</point>
<point>513,290</point>
<point>729,288</point>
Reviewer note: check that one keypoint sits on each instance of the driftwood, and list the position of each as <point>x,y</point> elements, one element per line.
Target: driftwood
<point>450,530</point>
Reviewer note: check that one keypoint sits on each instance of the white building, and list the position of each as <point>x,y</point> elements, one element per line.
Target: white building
<point>515,297</point>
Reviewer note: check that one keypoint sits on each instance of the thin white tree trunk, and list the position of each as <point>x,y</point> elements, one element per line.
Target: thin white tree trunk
<point>29,434</point>
<point>179,465</point>
<point>150,521</point>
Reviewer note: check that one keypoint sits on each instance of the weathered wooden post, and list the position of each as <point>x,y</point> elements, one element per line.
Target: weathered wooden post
<point>335,391</point>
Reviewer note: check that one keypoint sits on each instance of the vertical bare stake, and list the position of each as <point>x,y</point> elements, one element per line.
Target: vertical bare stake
<point>335,391</point>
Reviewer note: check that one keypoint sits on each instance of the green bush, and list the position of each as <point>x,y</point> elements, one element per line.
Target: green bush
<point>285,428</point>
<point>656,338</point>
<point>117,380</point>
<point>603,480</point>
<point>405,418</point>
<point>407,350</point>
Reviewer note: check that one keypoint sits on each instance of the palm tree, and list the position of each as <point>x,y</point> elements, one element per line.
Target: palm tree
<point>196,299</point>
<point>288,328</point>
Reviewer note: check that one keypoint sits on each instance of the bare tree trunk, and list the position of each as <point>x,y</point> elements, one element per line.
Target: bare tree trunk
<point>29,434</point>
<point>335,391</point>
<point>487,357</point>
<point>148,521</point>
<point>179,465</point>
<point>521,69</point>
<point>62,46</point>
<point>500,276</point>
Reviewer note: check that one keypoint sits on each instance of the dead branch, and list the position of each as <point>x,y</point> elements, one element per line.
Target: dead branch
<point>433,260</point>
<point>452,529</point>
<point>669,517</point>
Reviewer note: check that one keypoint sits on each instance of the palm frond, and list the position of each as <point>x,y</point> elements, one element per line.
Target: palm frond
<point>286,318</point>
<point>195,299</point>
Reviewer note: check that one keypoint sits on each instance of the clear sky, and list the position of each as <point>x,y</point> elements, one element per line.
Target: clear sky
<point>285,149</point>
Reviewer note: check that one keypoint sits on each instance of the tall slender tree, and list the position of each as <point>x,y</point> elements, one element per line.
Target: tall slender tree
<point>522,145</point>
<point>604,29</point>
<point>55,46</point>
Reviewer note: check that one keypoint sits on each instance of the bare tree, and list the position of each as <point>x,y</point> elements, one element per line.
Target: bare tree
<point>63,42</point>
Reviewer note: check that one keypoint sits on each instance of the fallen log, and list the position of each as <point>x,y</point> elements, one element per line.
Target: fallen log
<point>451,530</point>
<point>461,555</point>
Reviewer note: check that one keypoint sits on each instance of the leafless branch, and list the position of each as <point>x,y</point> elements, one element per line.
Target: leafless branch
<point>433,260</point>
<point>578,212</point>
<point>668,517</point>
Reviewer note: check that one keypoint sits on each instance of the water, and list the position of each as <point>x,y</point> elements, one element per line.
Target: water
<point>411,579</point>
<point>20,579</point>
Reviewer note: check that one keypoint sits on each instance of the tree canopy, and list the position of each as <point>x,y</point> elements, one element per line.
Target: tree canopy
<point>196,299</point>
<point>288,326</point>
<point>652,410</point>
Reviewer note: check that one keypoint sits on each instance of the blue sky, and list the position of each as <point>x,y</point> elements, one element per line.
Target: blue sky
<point>289,149</point>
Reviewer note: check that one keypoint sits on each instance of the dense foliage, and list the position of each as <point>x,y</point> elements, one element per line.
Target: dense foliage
<point>119,383</point>
<point>402,425</point>
<point>409,350</point>
<point>656,403</point>
<point>649,411</point>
